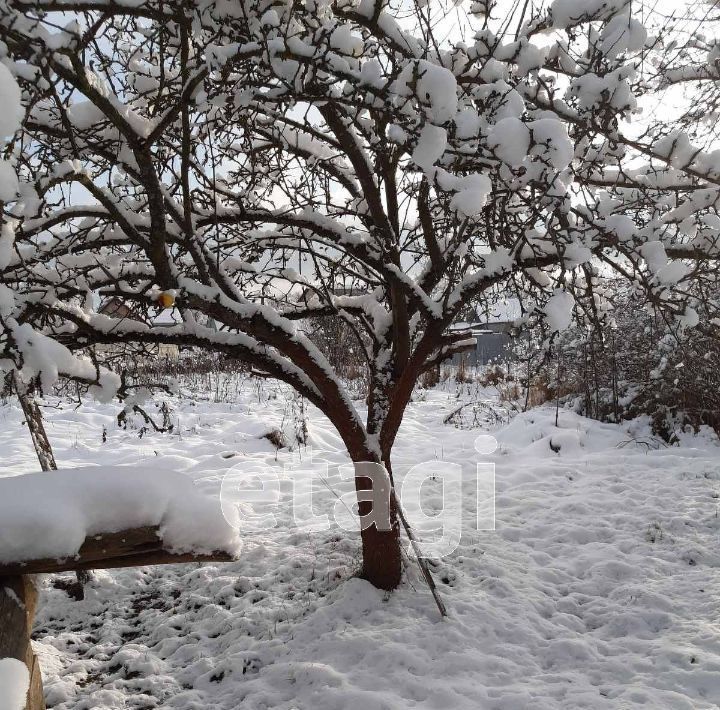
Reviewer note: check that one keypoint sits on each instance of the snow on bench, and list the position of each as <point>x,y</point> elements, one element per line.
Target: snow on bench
<point>108,516</point>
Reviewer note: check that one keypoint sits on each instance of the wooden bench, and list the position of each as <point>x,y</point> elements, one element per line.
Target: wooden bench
<point>131,547</point>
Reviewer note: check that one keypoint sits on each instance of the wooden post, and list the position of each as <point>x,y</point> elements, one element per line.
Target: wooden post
<point>18,599</point>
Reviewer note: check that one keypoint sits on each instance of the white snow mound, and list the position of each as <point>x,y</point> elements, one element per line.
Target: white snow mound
<point>14,683</point>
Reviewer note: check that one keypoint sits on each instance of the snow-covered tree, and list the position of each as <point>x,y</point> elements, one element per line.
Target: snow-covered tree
<point>259,163</point>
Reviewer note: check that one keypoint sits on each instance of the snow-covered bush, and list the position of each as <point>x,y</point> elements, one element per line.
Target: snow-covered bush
<point>637,364</point>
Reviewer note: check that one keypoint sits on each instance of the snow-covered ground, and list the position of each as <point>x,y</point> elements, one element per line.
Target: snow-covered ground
<point>598,589</point>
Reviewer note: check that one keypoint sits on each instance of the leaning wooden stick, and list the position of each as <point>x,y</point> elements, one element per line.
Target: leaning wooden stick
<point>421,560</point>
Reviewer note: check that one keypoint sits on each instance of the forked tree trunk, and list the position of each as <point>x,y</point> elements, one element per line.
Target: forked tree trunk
<point>18,599</point>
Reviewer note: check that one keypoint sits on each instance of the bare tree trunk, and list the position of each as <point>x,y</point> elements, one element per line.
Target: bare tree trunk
<point>616,397</point>
<point>382,563</point>
<point>18,599</point>
<point>382,560</point>
<point>33,417</point>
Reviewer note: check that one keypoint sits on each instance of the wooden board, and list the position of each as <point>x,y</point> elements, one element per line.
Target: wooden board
<point>128,548</point>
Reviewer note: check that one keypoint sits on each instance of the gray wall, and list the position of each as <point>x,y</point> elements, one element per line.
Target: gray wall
<point>490,346</point>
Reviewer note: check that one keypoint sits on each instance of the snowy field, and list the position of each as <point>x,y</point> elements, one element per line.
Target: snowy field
<point>599,588</point>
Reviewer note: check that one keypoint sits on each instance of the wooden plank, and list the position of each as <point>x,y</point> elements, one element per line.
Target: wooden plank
<point>128,548</point>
